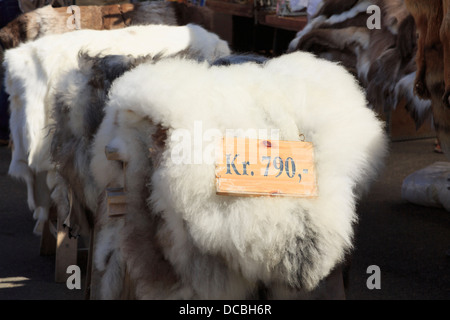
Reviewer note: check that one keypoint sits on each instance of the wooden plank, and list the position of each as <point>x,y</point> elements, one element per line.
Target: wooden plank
<point>116,202</point>
<point>236,9</point>
<point>129,288</point>
<point>99,2</point>
<point>251,167</point>
<point>116,195</point>
<point>89,267</point>
<point>402,126</point>
<point>117,210</point>
<point>53,229</point>
<point>66,252</point>
<point>287,23</point>
<point>48,237</point>
<point>112,153</point>
<point>95,276</point>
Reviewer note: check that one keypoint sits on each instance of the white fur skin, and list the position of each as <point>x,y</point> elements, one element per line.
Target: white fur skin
<point>33,69</point>
<point>222,247</point>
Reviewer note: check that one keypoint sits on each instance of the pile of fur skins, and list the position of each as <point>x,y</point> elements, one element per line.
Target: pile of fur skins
<point>381,57</point>
<point>179,239</point>
<point>48,20</point>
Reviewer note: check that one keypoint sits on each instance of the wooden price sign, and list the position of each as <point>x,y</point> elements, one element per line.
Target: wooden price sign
<point>251,167</point>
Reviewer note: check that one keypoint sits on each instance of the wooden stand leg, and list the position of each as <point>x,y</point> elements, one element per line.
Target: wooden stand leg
<point>87,293</point>
<point>95,275</point>
<point>66,252</point>
<point>48,237</point>
<point>128,291</point>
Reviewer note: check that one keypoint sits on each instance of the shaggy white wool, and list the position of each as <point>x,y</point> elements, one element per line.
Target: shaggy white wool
<point>33,69</point>
<point>291,241</point>
<point>207,278</point>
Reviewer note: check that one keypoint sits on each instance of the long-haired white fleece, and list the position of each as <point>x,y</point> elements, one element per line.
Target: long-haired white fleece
<point>289,240</point>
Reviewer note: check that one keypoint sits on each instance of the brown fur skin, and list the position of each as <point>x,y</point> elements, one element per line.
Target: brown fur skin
<point>429,58</point>
<point>393,12</point>
<point>406,39</point>
<point>335,44</point>
<point>378,58</point>
<point>391,57</point>
<point>185,14</point>
<point>445,39</point>
<point>432,62</point>
<point>15,32</point>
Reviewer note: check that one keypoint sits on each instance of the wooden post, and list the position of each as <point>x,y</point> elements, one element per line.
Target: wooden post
<point>48,237</point>
<point>116,198</point>
<point>66,252</point>
<point>128,290</point>
<point>87,293</point>
<point>114,202</point>
<point>95,275</point>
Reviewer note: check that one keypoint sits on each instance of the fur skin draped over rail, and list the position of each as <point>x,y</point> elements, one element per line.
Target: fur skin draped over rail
<point>179,238</point>
<point>35,69</point>
<point>432,80</point>
<point>49,20</point>
<point>382,59</point>
<point>77,114</point>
